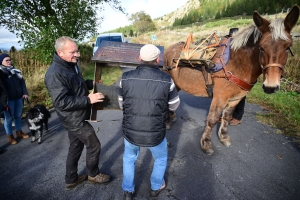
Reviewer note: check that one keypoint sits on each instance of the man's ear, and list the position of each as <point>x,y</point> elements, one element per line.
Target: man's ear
<point>140,59</point>
<point>59,53</point>
<point>157,59</point>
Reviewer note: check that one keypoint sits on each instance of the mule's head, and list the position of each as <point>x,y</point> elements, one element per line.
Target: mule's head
<point>274,47</point>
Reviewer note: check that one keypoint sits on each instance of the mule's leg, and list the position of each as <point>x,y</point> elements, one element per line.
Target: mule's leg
<point>223,130</point>
<point>170,118</point>
<point>173,117</point>
<point>212,119</point>
<point>168,121</point>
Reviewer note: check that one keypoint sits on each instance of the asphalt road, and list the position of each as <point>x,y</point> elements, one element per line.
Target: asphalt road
<point>260,164</point>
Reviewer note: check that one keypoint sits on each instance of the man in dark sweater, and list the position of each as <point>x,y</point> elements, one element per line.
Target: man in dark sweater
<point>146,95</point>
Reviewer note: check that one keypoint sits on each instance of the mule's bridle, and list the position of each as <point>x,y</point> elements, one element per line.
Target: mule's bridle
<point>272,65</point>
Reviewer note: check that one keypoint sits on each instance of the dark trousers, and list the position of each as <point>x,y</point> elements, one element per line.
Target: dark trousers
<point>85,136</point>
<point>239,109</point>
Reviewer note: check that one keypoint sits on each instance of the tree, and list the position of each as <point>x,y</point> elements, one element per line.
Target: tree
<point>142,22</point>
<point>131,33</point>
<point>39,23</point>
<point>12,49</point>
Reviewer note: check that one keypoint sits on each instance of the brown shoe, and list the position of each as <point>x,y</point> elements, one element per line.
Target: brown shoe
<point>100,178</point>
<point>80,179</point>
<point>20,134</point>
<point>11,139</point>
<point>234,122</point>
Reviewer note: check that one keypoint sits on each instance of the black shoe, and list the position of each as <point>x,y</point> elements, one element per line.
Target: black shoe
<point>80,179</point>
<point>155,193</point>
<point>128,195</point>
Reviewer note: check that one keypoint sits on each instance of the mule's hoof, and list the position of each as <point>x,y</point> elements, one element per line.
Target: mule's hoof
<point>206,146</point>
<point>226,143</point>
<point>208,151</point>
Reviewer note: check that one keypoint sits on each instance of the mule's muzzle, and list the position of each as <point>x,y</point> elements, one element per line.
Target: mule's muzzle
<point>270,90</point>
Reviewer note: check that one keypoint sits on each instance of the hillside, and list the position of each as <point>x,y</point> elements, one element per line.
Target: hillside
<point>169,35</point>
<point>169,19</point>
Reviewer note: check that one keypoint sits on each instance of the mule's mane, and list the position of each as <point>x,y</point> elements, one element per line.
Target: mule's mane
<point>241,38</point>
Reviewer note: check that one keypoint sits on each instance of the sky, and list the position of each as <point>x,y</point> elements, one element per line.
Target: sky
<point>112,19</point>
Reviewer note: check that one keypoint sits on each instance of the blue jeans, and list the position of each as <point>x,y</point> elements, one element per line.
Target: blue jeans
<point>15,108</point>
<point>131,153</point>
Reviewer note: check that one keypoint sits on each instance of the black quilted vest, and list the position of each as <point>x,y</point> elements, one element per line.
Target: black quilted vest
<point>145,92</point>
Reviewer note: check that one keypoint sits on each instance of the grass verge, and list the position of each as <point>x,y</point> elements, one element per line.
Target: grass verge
<point>281,110</point>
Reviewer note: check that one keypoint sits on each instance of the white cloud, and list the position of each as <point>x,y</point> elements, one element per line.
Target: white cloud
<point>112,19</point>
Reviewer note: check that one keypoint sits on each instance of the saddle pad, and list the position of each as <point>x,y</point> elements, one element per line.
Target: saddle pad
<point>222,51</point>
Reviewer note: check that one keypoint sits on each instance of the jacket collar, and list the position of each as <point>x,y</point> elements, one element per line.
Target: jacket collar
<point>148,66</point>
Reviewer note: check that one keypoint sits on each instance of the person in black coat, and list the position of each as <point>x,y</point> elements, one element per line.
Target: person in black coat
<point>146,95</point>
<point>72,102</point>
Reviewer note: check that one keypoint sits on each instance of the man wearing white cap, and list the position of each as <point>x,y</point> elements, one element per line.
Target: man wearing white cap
<point>146,95</point>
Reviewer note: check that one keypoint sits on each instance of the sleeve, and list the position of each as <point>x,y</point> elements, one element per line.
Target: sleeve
<point>120,95</point>
<point>24,88</point>
<point>61,95</point>
<point>90,84</point>
<point>174,100</point>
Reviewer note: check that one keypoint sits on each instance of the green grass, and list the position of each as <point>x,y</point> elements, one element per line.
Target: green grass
<point>229,23</point>
<point>282,110</point>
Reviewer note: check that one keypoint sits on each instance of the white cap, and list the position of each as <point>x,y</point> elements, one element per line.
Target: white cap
<point>149,52</point>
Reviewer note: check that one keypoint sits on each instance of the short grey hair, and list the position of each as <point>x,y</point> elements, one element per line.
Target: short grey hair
<point>61,41</point>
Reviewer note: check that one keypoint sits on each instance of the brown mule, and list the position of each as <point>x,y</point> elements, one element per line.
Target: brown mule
<point>261,48</point>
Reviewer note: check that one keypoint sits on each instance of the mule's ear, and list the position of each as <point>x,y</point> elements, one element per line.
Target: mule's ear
<point>261,23</point>
<point>291,19</point>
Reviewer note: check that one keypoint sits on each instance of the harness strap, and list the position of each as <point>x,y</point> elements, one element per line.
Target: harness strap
<point>272,65</point>
<point>230,77</point>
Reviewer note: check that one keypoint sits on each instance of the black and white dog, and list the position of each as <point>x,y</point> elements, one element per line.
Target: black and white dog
<point>36,118</point>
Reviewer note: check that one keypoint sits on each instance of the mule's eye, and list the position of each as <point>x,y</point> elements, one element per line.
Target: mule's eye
<point>261,49</point>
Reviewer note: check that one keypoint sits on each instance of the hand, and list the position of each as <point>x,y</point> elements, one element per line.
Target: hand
<point>96,97</point>
<point>25,96</point>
